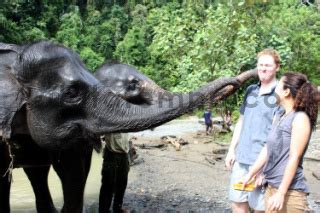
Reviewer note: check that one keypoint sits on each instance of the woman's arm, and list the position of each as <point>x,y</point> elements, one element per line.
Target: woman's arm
<point>257,166</point>
<point>300,135</point>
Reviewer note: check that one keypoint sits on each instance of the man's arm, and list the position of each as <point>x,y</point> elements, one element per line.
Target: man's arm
<point>231,156</point>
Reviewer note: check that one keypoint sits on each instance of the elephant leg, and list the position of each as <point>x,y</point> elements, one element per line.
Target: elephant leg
<point>38,177</point>
<point>5,181</point>
<point>72,166</point>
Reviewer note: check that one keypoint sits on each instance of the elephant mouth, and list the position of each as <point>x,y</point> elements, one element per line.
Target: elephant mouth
<point>68,134</point>
<point>72,134</point>
<point>67,129</point>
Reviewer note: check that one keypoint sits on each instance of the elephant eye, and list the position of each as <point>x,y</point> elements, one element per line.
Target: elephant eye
<point>133,84</point>
<point>72,95</point>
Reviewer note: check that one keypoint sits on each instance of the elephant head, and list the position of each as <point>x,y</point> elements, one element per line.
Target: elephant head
<point>127,82</point>
<point>61,102</point>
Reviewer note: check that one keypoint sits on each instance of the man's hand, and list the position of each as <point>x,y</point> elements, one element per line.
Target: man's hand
<point>230,159</point>
<point>259,180</point>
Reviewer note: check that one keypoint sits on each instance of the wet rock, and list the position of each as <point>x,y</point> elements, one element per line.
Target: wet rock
<point>222,150</point>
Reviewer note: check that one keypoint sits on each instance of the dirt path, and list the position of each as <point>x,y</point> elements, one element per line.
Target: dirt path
<point>167,180</point>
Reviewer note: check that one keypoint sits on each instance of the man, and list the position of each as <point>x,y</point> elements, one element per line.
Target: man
<point>251,130</point>
<point>114,173</point>
<point>207,120</point>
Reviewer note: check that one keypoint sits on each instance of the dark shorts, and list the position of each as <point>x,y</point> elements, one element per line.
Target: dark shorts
<point>209,124</point>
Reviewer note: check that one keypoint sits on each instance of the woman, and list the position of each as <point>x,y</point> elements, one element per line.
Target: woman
<point>281,159</point>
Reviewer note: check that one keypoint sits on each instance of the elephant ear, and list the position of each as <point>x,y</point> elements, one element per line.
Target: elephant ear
<point>11,92</point>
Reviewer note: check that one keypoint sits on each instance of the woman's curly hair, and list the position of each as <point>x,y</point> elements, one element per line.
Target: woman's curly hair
<point>305,94</point>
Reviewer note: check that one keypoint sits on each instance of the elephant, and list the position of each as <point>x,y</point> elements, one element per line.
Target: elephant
<point>53,110</point>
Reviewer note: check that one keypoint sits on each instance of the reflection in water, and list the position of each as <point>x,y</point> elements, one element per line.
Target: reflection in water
<point>22,198</point>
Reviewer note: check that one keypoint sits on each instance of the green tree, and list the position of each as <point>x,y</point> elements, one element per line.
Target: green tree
<point>294,32</point>
<point>92,59</point>
<point>133,48</point>
<point>69,32</point>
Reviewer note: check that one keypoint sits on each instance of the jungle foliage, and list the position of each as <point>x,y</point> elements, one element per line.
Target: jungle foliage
<point>180,44</point>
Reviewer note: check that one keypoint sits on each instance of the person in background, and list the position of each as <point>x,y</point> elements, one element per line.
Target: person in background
<point>133,155</point>
<point>207,120</point>
<point>251,130</point>
<point>282,158</point>
<point>114,172</point>
<point>227,120</point>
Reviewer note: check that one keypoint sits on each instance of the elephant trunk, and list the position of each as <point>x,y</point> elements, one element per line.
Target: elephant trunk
<point>156,93</point>
<point>109,113</point>
<point>229,90</point>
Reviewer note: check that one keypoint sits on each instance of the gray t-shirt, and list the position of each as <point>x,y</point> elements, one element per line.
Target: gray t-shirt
<point>278,149</point>
<point>257,111</point>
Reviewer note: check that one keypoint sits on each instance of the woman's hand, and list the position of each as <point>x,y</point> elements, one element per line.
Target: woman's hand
<point>275,202</point>
<point>247,179</point>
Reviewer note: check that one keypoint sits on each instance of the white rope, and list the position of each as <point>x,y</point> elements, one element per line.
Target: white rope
<point>10,167</point>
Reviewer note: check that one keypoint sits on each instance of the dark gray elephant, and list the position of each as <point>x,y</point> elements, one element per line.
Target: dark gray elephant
<point>52,111</point>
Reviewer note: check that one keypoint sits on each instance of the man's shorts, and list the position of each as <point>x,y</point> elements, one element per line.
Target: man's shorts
<point>254,198</point>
